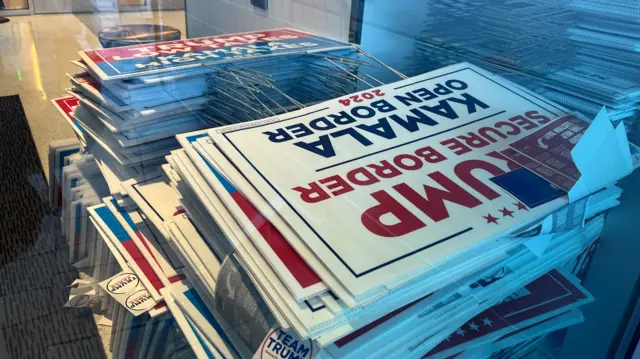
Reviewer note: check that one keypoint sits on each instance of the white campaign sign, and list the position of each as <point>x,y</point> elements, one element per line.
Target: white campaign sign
<point>389,182</point>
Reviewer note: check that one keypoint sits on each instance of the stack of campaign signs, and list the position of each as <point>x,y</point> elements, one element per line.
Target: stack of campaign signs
<point>577,53</point>
<point>105,256</point>
<point>493,30</point>
<point>128,262</point>
<point>607,40</point>
<point>453,216</point>
<point>116,201</point>
<point>128,103</point>
<point>75,185</point>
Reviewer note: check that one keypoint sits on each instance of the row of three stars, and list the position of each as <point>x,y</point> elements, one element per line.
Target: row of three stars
<point>473,326</point>
<point>505,213</point>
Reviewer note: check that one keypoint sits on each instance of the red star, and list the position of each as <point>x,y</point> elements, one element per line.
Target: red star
<point>521,206</point>
<point>506,212</point>
<point>490,218</point>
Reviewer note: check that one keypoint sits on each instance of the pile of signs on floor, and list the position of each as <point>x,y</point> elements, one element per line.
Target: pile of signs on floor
<point>128,103</point>
<point>580,54</point>
<point>447,214</point>
<point>126,108</point>
<point>77,186</point>
<point>606,37</point>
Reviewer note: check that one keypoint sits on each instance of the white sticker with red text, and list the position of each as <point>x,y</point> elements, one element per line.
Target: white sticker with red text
<point>128,290</point>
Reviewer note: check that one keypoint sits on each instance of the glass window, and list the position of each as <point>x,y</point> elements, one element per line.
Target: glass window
<point>14,4</point>
<point>319,179</point>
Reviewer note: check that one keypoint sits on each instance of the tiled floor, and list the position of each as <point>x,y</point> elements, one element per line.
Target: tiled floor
<point>34,57</point>
<point>34,269</point>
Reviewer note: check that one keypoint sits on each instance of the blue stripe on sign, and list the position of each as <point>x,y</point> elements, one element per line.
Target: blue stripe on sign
<point>204,346</point>
<point>77,126</point>
<point>110,220</point>
<point>197,302</point>
<point>528,187</point>
<point>193,138</point>
<point>227,186</point>
<point>61,156</point>
<point>125,215</point>
<point>78,215</point>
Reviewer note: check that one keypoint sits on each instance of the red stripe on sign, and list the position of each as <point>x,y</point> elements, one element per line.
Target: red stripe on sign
<point>146,246</point>
<point>93,56</point>
<point>143,264</point>
<point>192,45</point>
<point>300,270</point>
<point>67,104</point>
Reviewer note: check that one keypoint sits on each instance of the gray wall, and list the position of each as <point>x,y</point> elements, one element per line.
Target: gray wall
<point>62,6</point>
<point>328,18</point>
<point>70,6</point>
